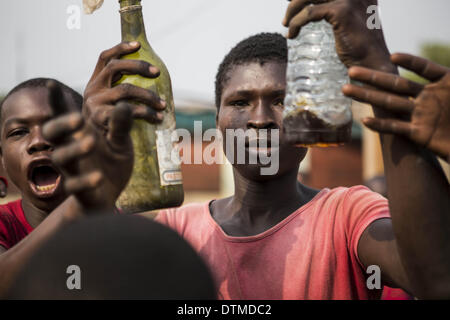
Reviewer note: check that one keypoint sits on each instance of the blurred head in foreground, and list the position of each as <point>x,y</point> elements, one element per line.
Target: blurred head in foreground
<point>115,257</point>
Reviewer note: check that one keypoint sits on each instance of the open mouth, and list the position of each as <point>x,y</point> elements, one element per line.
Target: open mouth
<point>44,179</point>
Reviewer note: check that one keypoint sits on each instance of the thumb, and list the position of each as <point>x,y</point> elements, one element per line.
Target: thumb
<point>120,125</point>
<point>56,98</point>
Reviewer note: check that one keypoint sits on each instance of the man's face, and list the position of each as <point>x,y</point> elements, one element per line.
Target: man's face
<point>25,153</point>
<point>252,98</point>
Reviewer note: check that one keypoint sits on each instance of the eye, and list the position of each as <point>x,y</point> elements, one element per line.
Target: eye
<point>239,103</point>
<point>279,102</point>
<point>19,132</point>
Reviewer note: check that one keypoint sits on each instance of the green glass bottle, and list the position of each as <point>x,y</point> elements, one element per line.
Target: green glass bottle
<point>156,179</point>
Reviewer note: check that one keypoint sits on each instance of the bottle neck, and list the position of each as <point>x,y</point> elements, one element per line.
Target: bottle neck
<point>132,21</point>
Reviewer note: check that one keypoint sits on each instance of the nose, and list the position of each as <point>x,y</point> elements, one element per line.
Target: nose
<point>262,117</point>
<point>38,143</point>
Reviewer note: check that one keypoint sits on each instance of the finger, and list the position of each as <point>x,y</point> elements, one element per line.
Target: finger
<point>114,53</point>
<point>116,68</point>
<point>389,126</point>
<point>128,91</point>
<point>379,99</point>
<point>145,113</point>
<point>63,157</point>
<point>62,127</point>
<point>423,67</point>
<point>293,8</point>
<point>101,115</point>
<point>308,14</point>
<point>120,125</point>
<point>83,183</point>
<point>386,81</point>
<point>56,98</point>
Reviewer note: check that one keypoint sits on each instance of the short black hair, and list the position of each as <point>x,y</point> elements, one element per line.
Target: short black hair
<point>263,47</point>
<point>42,83</point>
<point>119,257</point>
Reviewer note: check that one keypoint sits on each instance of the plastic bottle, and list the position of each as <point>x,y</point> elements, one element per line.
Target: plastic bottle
<point>316,112</point>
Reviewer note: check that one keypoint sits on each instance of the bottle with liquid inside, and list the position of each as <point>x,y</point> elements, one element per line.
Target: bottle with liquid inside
<point>316,112</point>
<point>156,181</point>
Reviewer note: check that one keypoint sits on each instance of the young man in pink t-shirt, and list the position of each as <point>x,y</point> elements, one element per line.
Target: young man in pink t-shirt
<point>276,238</point>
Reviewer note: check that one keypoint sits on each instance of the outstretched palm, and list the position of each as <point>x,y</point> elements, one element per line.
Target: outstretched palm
<point>418,112</point>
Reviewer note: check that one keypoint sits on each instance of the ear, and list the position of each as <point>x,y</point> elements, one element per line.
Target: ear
<point>1,158</point>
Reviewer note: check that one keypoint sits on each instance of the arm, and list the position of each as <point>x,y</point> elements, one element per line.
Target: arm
<point>13,259</point>
<point>89,149</point>
<point>412,249</point>
<point>421,248</point>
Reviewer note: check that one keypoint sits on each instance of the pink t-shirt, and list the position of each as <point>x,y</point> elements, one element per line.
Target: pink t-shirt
<point>311,254</point>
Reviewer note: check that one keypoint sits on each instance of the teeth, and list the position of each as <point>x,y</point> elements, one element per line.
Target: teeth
<point>46,188</point>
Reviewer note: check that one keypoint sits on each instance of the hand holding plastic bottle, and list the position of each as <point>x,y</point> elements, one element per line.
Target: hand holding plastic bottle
<point>356,44</point>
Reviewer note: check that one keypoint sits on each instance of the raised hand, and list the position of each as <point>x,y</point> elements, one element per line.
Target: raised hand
<point>94,149</point>
<point>95,167</point>
<point>100,96</point>
<point>356,45</point>
<point>420,113</point>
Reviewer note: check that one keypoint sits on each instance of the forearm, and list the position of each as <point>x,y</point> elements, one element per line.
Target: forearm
<point>15,258</point>
<point>419,201</point>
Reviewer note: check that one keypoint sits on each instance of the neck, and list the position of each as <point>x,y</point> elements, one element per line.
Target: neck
<point>33,214</point>
<point>132,21</point>
<point>259,199</point>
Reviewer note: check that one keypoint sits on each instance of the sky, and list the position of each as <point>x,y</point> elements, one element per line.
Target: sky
<point>191,36</point>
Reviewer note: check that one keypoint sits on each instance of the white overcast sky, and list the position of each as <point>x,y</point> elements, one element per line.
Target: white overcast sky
<point>191,36</point>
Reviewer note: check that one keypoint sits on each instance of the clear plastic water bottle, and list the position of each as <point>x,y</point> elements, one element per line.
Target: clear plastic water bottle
<point>316,112</point>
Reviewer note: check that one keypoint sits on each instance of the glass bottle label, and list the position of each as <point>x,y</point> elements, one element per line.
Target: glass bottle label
<point>168,158</point>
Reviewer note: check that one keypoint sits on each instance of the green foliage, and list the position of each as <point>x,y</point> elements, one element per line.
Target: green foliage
<point>436,52</point>
<point>413,77</point>
<point>439,53</point>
